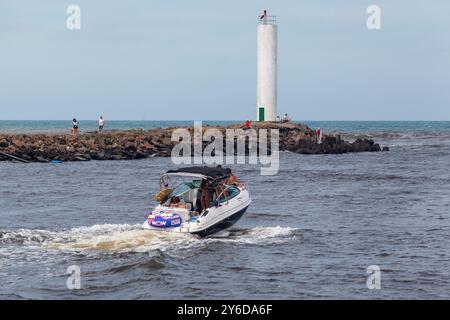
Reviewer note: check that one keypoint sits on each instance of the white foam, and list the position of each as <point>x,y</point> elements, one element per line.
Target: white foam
<point>263,235</point>
<point>116,238</point>
<point>132,238</point>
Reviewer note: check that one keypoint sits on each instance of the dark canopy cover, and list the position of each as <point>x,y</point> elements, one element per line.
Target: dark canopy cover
<point>212,172</point>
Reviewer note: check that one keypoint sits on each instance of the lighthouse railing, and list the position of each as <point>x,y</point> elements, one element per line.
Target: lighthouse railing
<point>268,20</point>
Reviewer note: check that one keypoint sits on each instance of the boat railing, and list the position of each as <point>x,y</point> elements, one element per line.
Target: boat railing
<point>227,186</point>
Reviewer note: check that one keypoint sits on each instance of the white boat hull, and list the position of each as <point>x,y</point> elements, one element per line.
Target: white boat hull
<point>214,219</point>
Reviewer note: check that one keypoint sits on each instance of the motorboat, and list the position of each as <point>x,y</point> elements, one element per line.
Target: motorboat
<point>198,200</point>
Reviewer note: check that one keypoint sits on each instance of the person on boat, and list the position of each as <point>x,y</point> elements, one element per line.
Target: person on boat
<point>204,195</point>
<point>74,127</point>
<point>233,180</point>
<point>176,203</point>
<point>101,124</point>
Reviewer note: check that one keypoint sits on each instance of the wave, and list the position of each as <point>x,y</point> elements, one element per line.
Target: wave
<point>260,235</point>
<point>24,236</point>
<point>416,135</point>
<point>113,238</point>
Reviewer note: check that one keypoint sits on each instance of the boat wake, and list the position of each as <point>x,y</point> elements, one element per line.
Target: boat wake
<point>113,238</point>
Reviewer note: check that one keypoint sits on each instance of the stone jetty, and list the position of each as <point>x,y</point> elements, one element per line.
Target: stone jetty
<point>138,144</point>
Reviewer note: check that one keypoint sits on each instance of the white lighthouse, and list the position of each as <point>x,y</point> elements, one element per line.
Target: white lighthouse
<point>266,74</point>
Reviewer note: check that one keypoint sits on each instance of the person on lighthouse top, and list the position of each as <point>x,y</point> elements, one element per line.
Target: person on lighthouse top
<point>263,16</point>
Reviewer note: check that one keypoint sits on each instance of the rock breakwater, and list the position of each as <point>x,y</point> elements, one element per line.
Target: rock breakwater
<point>138,144</point>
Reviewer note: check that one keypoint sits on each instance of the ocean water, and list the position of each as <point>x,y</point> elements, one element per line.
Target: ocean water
<point>358,127</point>
<point>310,232</point>
<point>61,126</point>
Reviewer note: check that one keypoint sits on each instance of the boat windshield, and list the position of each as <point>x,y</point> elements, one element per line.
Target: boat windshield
<point>175,181</point>
<point>185,187</point>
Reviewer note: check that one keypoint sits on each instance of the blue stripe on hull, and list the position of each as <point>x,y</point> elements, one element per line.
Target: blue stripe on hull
<point>222,225</point>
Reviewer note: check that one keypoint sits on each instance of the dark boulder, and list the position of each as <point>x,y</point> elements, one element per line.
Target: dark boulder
<point>4,143</point>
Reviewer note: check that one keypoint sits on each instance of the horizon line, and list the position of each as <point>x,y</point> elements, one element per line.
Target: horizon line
<point>229,120</point>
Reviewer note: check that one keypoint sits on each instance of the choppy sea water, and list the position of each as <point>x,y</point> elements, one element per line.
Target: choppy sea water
<point>311,231</point>
<point>62,126</point>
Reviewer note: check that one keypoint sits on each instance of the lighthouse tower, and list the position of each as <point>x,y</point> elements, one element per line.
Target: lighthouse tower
<point>266,75</point>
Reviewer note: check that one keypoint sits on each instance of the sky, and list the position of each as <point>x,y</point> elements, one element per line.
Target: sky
<point>196,60</point>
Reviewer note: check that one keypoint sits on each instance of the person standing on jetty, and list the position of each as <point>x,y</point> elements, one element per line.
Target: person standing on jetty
<point>319,134</point>
<point>286,118</point>
<point>101,124</point>
<point>74,127</point>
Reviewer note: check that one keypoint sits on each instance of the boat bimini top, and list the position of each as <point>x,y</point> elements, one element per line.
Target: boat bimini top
<point>212,174</point>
